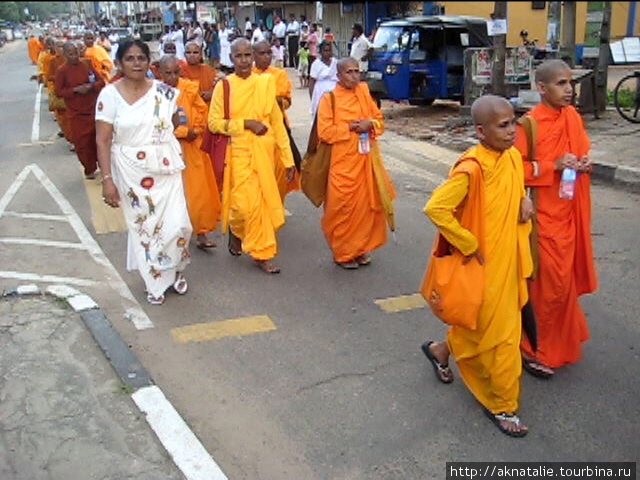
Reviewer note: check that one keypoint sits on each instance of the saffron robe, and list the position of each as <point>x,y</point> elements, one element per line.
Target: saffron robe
<point>100,60</point>
<point>35,47</point>
<point>200,187</point>
<point>488,358</point>
<point>80,112</point>
<point>354,222</point>
<point>565,252</point>
<point>201,73</point>
<point>146,163</point>
<point>43,68</point>
<point>251,207</point>
<point>283,96</point>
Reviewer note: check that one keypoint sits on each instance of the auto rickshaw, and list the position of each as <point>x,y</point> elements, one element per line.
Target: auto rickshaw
<point>420,58</point>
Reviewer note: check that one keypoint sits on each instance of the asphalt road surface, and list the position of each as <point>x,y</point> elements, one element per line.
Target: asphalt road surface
<point>302,375</point>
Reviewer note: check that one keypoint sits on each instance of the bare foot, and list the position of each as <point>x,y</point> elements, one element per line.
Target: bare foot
<point>267,267</point>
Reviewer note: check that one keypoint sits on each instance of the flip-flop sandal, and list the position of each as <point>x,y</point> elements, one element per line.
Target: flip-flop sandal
<point>351,265</point>
<point>364,259</point>
<point>443,372</point>
<point>180,285</point>
<point>532,367</point>
<point>512,418</point>
<point>267,267</point>
<point>233,251</point>
<point>155,300</point>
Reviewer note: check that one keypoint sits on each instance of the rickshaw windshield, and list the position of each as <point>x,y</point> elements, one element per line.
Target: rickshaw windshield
<point>391,39</point>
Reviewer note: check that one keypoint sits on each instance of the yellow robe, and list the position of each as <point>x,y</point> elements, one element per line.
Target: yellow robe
<point>43,67</point>
<point>489,357</point>
<point>283,95</point>
<point>251,207</point>
<point>100,60</point>
<point>200,187</point>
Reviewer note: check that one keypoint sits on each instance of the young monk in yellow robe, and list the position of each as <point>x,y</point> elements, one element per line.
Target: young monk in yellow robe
<point>54,64</point>
<point>200,187</point>
<point>262,55</point>
<point>488,357</point>
<point>354,222</point>
<point>100,59</point>
<point>34,47</point>
<point>43,62</point>
<point>252,208</point>
<point>198,71</point>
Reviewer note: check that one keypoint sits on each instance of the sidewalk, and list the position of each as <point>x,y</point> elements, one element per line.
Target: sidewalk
<point>65,414</point>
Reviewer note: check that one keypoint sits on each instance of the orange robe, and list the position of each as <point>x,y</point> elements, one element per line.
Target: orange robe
<point>55,62</point>
<point>100,60</point>
<point>354,222</point>
<point>43,67</point>
<point>201,73</point>
<point>283,95</point>
<point>200,187</point>
<point>488,357</point>
<point>566,268</point>
<point>35,47</point>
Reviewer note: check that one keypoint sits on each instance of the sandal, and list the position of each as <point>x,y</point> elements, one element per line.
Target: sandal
<point>364,259</point>
<point>235,246</point>
<point>512,418</point>
<point>155,300</point>
<point>443,372</point>
<point>180,285</point>
<point>350,265</point>
<point>203,243</point>
<point>536,368</point>
<point>267,267</point>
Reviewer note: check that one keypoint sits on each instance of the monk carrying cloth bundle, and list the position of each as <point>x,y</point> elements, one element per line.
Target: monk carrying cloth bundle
<point>454,290</point>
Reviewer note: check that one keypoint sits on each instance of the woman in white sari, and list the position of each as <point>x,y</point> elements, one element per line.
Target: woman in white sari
<point>141,162</point>
<point>323,75</point>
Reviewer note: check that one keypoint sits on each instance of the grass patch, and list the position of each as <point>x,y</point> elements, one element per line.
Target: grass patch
<point>626,97</point>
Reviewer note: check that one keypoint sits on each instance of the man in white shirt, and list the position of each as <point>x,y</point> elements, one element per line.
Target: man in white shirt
<point>257,35</point>
<point>360,49</point>
<point>293,35</point>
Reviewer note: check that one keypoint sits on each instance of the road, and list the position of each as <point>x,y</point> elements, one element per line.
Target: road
<point>324,384</point>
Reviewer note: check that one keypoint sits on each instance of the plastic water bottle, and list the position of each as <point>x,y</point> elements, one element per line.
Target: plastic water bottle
<point>92,77</point>
<point>182,117</point>
<point>568,183</point>
<point>363,143</point>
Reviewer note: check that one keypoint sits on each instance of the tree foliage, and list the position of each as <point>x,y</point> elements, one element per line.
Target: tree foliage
<point>15,11</point>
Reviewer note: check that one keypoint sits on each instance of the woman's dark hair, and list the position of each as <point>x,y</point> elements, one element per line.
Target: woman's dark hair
<point>324,43</point>
<point>126,46</point>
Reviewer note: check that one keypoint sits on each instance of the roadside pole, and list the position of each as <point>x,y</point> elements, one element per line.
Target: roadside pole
<point>499,51</point>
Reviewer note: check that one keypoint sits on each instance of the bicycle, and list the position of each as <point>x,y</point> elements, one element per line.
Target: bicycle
<point>626,97</point>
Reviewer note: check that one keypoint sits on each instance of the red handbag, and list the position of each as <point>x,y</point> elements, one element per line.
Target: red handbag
<point>215,144</point>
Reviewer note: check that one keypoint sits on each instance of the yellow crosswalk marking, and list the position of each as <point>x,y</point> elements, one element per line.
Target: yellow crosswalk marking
<point>201,332</point>
<point>105,219</point>
<point>401,303</point>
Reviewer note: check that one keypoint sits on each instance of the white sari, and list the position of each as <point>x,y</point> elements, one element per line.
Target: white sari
<point>146,164</point>
<point>326,78</point>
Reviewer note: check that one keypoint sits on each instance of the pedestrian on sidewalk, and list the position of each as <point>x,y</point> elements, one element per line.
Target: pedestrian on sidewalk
<point>141,164</point>
<point>80,86</point>
<point>354,222</point>
<point>323,76</point>
<point>487,185</point>
<point>564,249</point>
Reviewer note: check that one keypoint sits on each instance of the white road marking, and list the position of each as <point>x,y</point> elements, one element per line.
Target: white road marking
<point>139,318</point>
<point>187,452</point>
<point>35,128</point>
<point>34,277</point>
<point>43,243</point>
<point>36,216</point>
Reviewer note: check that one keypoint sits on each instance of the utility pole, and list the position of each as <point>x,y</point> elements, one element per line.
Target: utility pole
<point>603,59</point>
<point>568,50</point>
<point>499,51</point>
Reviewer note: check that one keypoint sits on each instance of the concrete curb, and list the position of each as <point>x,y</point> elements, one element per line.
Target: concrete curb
<point>186,450</point>
<point>617,174</point>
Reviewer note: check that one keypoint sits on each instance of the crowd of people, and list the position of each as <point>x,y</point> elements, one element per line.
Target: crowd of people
<point>144,125</point>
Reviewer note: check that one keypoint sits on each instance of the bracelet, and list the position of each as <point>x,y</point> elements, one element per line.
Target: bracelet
<point>106,177</point>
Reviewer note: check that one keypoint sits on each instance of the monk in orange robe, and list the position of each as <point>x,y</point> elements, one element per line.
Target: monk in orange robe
<point>354,222</point>
<point>43,61</point>
<point>100,59</point>
<point>565,252</point>
<point>200,187</point>
<point>262,55</point>
<point>168,48</point>
<point>80,85</point>
<point>34,47</point>
<point>488,179</point>
<point>198,71</point>
<point>252,208</point>
<point>59,108</point>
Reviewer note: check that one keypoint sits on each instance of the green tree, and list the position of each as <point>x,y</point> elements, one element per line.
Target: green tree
<point>9,11</point>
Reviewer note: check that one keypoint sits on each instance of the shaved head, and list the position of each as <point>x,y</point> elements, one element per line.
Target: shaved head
<point>346,62</point>
<point>239,42</point>
<point>261,44</point>
<point>485,109</point>
<point>192,43</point>
<point>548,70</point>
<point>262,54</point>
<point>168,62</point>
